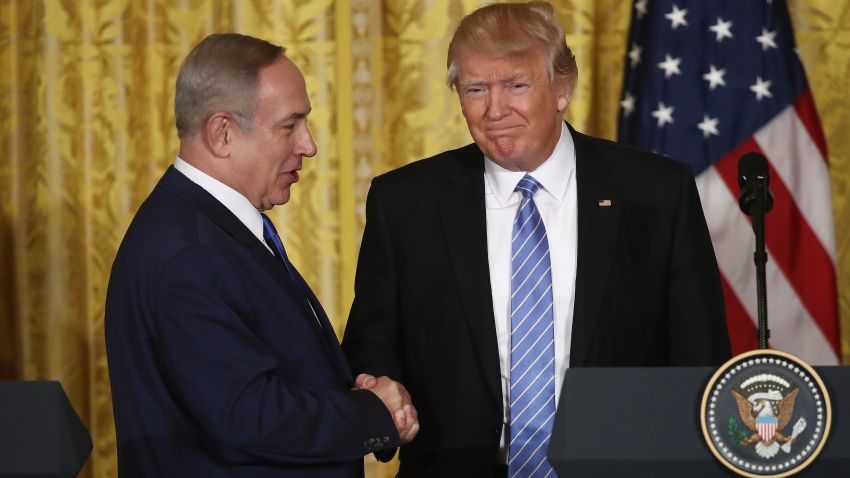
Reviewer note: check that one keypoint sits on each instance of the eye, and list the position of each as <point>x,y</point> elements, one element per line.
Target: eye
<point>519,87</point>
<point>473,91</point>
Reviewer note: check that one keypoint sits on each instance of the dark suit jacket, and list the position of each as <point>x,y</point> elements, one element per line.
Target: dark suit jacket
<point>218,366</point>
<point>647,289</point>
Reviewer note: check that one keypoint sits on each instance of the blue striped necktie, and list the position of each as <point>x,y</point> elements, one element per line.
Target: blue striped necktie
<point>532,394</point>
<point>273,240</point>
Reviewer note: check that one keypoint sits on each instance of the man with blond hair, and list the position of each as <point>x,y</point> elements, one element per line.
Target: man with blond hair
<point>221,359</point>
<point>486,271</point>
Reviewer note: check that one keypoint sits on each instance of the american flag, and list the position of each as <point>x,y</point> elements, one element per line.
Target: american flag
<point>706,82</point>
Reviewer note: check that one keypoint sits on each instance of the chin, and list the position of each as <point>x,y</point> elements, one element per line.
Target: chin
<point>277,201</point>
<point>283,199</point>
<point>514,158</point>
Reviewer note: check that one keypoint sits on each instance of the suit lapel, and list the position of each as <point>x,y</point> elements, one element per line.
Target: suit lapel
<point>327,333</point>
<point>599,210</point>
<point>465,230</point>
<point>179,184</point>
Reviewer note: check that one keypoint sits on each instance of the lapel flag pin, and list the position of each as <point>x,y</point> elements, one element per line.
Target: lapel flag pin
<point>605,202</point>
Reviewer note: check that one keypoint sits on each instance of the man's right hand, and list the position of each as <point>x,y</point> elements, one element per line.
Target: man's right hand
<point>397,400</point>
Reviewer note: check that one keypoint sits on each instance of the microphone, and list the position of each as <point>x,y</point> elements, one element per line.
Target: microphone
<point>756,200</point>
<point>753,175</point>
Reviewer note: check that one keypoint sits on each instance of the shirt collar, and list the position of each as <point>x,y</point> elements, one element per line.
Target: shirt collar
<point>232,199</point>
<point>553,174</point>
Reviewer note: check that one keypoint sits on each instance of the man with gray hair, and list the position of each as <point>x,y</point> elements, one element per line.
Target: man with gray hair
<point>485,272</point>
<point>221,359</point>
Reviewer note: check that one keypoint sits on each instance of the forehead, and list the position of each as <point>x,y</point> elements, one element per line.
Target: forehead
<point>478,67</point>
<point>281,87</point>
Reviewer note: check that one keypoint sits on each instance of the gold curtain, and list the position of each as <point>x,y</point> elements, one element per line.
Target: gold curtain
<point>86,128</point>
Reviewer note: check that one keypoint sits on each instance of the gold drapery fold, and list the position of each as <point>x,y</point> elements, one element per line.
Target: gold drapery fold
<point>86,129</point>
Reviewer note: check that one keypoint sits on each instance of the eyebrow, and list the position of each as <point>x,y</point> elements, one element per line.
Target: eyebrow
<point>507,79</point>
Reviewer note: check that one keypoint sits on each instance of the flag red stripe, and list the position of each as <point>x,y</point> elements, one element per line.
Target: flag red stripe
<point>794,248</point>
<point>805,108</point>
<point>802,258</point>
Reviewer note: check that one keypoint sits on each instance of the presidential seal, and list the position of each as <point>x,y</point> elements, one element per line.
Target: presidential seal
<point>765,413</point>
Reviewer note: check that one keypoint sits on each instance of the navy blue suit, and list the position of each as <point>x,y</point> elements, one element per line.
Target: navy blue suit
<point>218,365</point>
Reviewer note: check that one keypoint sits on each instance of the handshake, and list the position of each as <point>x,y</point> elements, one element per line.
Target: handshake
<point>397,401</point>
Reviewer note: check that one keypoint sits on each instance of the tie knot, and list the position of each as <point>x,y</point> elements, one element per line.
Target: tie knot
<point>528,186</point>
<point>269,231</point>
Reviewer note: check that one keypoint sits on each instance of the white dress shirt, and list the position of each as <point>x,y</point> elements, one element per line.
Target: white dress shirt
<point>558,206</point>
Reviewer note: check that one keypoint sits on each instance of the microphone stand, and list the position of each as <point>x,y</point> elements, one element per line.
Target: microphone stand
<point>760,256</point>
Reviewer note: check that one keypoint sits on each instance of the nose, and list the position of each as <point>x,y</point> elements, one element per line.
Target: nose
<point>496,105</point>
<point>306,145</point>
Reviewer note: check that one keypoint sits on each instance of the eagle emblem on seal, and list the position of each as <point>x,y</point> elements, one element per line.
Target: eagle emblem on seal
<point>765,414</point>
<point>766,407</point>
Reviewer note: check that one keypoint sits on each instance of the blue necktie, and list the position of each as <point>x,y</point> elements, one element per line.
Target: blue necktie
<point>532,394</point>
<point>273,240</point>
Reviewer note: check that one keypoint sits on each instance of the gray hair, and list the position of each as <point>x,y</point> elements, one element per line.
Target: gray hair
<point>220,75</point>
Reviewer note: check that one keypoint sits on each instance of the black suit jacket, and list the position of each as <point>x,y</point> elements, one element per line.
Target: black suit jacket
<point>218,366</point>
<point>647,289</point>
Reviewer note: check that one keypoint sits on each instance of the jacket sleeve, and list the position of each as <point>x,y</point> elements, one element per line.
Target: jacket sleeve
<point>228,381</point>
<point>695,308</point>
<point>370,341</point>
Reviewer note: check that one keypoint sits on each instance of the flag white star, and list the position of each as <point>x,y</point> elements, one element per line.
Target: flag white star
<point>722,29</point>
<point>628,104</point>
<point>715,77</point>
<point>761,89</point>
<point>640,8</point>
<point>767,39</point>
<point>670,66</point>
<point>708,126</point>
<point>634,55</point>
<point>677,17</point>
<point>664,114</point>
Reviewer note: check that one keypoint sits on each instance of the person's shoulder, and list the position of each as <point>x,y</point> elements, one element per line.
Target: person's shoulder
<point>628,161</point>
<point>435,169</point>
<point>164,224</point>
<point>164,212</point>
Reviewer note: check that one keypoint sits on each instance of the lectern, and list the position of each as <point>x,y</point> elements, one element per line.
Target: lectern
<point>40,434</point>
<point>644,422</point>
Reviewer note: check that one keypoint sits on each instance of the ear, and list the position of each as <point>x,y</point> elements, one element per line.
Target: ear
<point>564,93</point>
<point>219,133</point>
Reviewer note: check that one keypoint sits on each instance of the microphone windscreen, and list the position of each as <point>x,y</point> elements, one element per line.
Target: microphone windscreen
<point>751,165</point>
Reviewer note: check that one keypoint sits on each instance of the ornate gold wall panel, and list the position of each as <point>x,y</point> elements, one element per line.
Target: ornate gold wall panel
<point>86,129</point>
<point>822,28</point>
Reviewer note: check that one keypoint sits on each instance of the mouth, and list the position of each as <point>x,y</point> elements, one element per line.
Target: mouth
<point>292,174</point>
<point>498,130</point>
